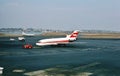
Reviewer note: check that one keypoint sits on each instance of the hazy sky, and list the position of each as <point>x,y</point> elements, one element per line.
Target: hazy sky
<point>61,14</point>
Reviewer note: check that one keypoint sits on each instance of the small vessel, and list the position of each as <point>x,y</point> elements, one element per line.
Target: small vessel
<point>1,70</point>
<point>12,39</point>
<point>28,46</point>
<point>21,38</point>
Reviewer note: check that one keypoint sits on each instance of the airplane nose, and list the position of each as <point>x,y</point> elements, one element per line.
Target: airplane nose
<point>37,43</point>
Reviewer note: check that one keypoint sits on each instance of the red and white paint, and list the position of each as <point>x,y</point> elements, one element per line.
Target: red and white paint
<point>58,41</point>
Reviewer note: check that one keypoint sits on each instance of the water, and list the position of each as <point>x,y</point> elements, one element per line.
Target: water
<point>99,57</point>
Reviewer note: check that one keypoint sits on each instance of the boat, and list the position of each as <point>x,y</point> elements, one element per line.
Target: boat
<point>21,38</point>
<point>1,70</point>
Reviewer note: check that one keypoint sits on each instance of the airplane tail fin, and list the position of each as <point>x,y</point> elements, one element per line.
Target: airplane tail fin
<point>23,33</point>
<point>73,36</point>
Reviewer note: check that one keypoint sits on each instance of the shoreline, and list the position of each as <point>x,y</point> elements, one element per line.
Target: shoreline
<point>63,34</point>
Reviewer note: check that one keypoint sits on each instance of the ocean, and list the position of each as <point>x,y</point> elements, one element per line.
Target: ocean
<point>96,57</point>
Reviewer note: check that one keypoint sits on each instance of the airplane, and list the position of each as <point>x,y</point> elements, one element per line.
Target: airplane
<point>25,34</point>
<point>59,41</point>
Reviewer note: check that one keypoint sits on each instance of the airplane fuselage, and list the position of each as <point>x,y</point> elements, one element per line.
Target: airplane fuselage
<point>58,41</point>
<point>52,41</point>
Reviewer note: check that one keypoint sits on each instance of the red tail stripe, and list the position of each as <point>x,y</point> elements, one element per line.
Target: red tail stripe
<point>74,34</point>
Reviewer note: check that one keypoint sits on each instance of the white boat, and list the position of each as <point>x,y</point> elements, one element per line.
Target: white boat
<point>1,70</point>
<point>12,39</point>
<point>21,38</point>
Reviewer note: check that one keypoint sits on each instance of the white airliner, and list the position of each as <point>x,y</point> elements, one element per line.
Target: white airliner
<point>59,41</point>
<point>25,34</point>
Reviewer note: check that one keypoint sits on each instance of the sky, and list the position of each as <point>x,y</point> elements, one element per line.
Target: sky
<point>61,14</point>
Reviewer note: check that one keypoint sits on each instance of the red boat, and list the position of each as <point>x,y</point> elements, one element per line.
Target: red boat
<point>28,46</point>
